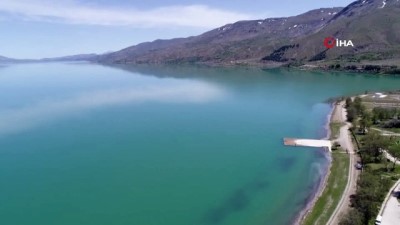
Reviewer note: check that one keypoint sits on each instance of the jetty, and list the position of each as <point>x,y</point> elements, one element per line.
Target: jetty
<point>327,144</point>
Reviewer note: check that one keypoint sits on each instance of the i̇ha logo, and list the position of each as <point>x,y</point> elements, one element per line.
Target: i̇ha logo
<point>331,42</point>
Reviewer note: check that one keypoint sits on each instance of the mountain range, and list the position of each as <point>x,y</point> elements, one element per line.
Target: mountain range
<point>80,57</point>
<point>243,40</point>
<point>7,60</point>
<point>373,26</point>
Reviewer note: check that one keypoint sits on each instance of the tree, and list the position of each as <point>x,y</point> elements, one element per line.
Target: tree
<point>365,122</point>
<point>349,102</point>
<point>359,107</point>
<point>351,114</point>
<point>373,144</point>
<point>394,151</point>
<point>371,190</point>
<point>377,115</point>
<point>380,114</point>
<point>353,217</point>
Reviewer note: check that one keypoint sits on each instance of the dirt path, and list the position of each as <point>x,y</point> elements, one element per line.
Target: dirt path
<point>340,115</point>
<point>385,153</point>
<point>390,157</point>
<point>385,132</point>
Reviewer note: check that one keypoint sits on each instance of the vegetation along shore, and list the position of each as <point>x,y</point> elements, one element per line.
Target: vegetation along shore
<point>336,179</point>
<point>365,130</point>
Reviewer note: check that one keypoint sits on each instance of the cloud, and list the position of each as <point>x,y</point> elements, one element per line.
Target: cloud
<point>77,13</point>
<point>16,120</point>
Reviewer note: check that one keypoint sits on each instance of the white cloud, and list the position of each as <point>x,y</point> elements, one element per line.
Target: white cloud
<point>77,13</point>
<point>16,120</point>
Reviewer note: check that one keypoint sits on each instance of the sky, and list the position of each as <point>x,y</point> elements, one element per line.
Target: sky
<point>32,29</point>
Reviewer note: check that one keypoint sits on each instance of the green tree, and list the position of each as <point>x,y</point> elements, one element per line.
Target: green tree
<point>381,114</point>
<point>373,146</point>
<point>353,217</point>
<point>349,102</point>
<point>365,122</point>
<point>359,107</point>
<point>351,114</point>
<point>371,190</point>
<point>394,151</point>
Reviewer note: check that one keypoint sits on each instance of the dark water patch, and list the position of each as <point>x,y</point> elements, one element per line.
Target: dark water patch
<point>237,201</point>
<point>285,164</point>
<point>261,185</point>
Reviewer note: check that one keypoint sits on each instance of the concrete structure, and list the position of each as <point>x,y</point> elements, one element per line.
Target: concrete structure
<point>308,143</point>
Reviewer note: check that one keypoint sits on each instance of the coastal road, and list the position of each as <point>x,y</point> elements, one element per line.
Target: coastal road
<point>340,115</point>
<point>390,209</point>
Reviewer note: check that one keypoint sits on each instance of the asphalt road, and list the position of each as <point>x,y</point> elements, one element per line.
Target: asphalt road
<point>391,207</point>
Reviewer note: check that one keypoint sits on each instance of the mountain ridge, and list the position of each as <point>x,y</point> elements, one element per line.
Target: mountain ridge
<point>281,41</point>
<point>372,25</point>
<point>78,57</point>
<point>212,45</point>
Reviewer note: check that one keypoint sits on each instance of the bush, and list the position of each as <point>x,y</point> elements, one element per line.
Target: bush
<point>372,68</point>
<point>371,191</point>
<point>278,55</point>
<point>351,67</point>
<point>393,123</point>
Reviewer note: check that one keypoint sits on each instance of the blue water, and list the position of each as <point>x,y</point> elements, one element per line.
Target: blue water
<point>93,144</point>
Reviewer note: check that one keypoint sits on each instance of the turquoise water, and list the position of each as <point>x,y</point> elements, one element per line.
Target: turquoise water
<point>91,144</point>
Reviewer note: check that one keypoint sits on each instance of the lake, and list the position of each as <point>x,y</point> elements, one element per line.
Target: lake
<point>93,144</point>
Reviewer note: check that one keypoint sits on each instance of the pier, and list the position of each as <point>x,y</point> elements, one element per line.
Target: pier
<point>308,143</point>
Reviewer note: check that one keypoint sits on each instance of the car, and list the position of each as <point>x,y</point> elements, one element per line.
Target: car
<point>378,220</point>
<point>358,166</point>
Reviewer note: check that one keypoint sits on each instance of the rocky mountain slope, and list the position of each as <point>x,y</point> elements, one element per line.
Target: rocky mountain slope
<point>372,25</point>
<point>242,40</point>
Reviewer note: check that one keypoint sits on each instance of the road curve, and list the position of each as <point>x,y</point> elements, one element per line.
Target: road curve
<point>390,209</point>
<point>347,144</point>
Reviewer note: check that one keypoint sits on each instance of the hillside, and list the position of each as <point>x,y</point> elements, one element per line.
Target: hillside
<point>372,25</point>
<point>80,57</point>
<point>242,40</point>
<point>4,59</point>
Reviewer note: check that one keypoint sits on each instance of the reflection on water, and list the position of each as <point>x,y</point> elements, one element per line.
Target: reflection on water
<point>13,120</point>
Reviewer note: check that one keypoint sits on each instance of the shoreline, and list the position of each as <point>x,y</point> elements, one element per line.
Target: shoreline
<point>327,67</point>
<point>319,189</point>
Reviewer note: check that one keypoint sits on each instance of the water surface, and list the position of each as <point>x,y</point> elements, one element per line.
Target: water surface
<point>92,144</point>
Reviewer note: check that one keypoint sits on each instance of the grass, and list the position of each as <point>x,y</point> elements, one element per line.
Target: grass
<point>394,130</point>
<point>335,129</point>
<point>333,191</point>
<point>376,166</point>
<point>381,169</point>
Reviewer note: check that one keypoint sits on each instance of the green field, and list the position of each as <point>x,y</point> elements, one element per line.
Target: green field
<point>335,128</point>
<point>335,186</point>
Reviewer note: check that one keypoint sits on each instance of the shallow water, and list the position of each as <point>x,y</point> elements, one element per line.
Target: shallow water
<point>92,144</point>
